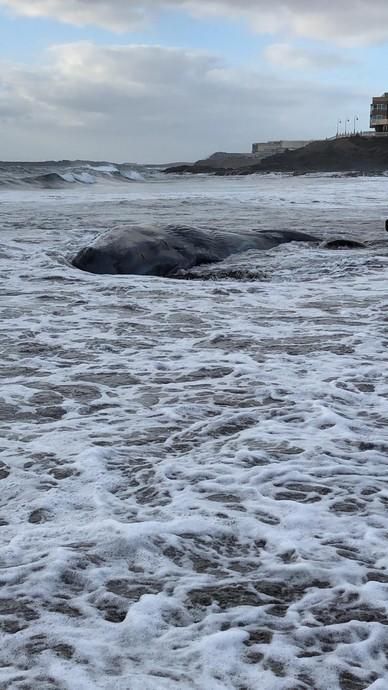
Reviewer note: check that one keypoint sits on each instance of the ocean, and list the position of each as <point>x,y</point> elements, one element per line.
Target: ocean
<point>193,473</point>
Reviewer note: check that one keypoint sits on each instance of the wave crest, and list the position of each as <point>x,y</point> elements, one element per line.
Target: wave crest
<point>59,175</point>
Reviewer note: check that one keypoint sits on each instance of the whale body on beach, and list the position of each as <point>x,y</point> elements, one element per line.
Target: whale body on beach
<point>164,252</point>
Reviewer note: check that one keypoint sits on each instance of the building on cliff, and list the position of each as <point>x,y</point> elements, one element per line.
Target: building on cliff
<point>270,148</point>
<point>379,113</point>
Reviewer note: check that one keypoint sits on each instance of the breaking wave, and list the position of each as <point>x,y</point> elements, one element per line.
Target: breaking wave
<point>58,176</point>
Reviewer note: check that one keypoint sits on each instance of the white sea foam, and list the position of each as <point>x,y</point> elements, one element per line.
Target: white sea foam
<point>83,177</point>
<point>104,168</point>
<point>133,175</point>
<point>193,478</point>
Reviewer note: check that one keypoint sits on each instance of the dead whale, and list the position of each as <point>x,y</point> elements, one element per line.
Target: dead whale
<point>163,252</point>
<point>343,243</point>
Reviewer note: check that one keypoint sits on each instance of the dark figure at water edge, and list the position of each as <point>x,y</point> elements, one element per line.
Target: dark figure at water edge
<point>165,252</point>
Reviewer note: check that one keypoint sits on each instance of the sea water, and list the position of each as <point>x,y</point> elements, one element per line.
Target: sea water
<point>193,473</point>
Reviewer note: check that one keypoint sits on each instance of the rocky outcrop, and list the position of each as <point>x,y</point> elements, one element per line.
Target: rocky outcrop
<point>217,162</point>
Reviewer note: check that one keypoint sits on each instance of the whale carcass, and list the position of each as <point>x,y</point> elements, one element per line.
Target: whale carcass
<point>164,252</point>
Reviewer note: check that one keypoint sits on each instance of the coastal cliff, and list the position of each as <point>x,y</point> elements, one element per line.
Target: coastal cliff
<point>352,154</point>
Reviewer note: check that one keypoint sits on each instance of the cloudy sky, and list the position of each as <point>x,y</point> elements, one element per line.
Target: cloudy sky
<point>169,80</point>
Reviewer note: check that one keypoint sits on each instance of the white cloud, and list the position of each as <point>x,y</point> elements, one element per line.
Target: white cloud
<point>335,20</point>
<point>155,104</point>
<point>288,56</point>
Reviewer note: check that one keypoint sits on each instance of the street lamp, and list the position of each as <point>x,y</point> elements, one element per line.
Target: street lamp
<point>346,121</point>
<point>355,119</point>
<point>338,126</point>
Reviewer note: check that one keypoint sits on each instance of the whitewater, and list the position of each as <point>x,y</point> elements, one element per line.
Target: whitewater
<point>193,472</point>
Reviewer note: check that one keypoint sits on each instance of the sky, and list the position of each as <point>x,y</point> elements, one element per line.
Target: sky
<point>176,80</point>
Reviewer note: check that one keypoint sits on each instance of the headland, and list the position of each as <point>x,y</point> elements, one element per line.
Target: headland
<point>356,153</point>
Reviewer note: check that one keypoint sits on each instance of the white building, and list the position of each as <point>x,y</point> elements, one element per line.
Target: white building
<point>269,148</point>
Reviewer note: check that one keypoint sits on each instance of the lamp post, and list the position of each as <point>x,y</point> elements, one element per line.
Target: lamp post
<point>355,119</point>
<point>338,126</point>
<point>346,121</point>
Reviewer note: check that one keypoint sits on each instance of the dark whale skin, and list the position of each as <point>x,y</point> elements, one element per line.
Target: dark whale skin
<point>343,243</point>
<point>150,251</point>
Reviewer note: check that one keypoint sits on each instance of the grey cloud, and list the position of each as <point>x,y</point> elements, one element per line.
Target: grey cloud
<point>338,20</point>
<point>152,103</point>
<point>112,14</point>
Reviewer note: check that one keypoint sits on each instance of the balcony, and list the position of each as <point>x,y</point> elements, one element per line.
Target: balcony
<point>378,120</point>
